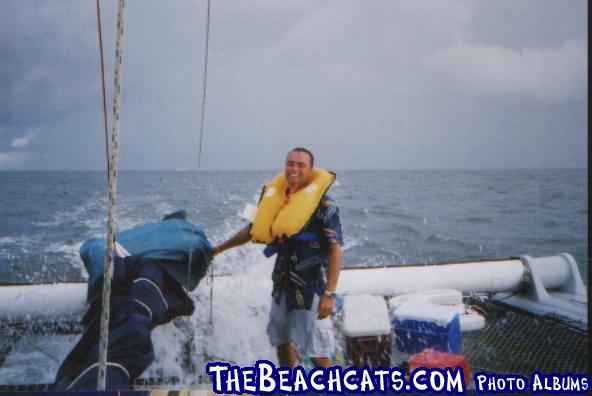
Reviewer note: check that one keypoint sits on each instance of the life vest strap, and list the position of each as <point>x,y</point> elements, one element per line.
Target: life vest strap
<point>273,248</point>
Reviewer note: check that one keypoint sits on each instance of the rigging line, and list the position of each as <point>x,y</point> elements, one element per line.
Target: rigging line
<point>100,31</point>
<point>108,272</point>
<point>41,350</point>
<point>199,155</point>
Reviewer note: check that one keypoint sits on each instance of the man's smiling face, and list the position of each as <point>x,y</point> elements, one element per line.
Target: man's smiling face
<point>298,169</point>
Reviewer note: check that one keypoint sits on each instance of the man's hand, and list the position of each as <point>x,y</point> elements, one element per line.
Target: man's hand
<point>325,306</point>
<point>326,302</point>
<point>240,238</point>
<point>215,250</point>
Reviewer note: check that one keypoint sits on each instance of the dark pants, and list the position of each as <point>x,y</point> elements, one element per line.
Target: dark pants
<point>146,298</point>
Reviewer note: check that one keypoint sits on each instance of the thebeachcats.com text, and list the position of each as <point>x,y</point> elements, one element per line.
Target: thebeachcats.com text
<point>265,378</point>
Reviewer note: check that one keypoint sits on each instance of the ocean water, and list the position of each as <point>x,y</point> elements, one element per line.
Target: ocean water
<point>388,217</point>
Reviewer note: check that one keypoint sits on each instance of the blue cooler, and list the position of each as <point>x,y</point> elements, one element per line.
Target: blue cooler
<point>421,326</point>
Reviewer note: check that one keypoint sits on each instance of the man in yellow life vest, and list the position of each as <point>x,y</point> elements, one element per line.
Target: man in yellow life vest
<point>301,224</point>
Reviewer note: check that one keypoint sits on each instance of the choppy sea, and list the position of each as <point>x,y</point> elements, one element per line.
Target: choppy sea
<point>388,216</point>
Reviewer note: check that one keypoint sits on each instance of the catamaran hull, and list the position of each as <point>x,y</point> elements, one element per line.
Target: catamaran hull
<point>532,277</point>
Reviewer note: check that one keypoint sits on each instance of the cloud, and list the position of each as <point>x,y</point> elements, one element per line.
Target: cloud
<point>10,160</point>
<point>547,74</point>
<point>404,74</point>
<point>24,141</point>
<point>47,69</point>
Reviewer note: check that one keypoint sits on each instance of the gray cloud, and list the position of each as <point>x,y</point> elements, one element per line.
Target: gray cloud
<point>25,140</point>
<point>44,76</point>
<point>388,84</point>
<point>550,74</point>
<point>12,160</point>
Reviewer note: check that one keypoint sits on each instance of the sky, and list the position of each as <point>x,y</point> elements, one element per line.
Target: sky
<point>364,84</point>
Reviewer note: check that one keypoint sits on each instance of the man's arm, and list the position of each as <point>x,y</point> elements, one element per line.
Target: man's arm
<point>326,302</point>
<point>240,238</point>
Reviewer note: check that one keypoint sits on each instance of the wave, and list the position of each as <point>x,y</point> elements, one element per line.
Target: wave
<point>441,240</point>
<point>385,208</point>
<point>478,220</point>
<point>365,253</point>
<point>402,230</point>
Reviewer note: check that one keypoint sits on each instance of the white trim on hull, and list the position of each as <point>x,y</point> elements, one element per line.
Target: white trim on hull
<point>479,277</point>
<point>23,302</point>
<point>55,300</point>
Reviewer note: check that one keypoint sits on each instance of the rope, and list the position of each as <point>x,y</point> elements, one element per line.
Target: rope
<point>100,31</point>
<point>108,273</point>
<point>203,108</point>
<point>200,144</point>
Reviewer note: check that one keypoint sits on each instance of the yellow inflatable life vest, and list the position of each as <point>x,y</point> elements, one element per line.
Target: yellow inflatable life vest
<point>277,219</point>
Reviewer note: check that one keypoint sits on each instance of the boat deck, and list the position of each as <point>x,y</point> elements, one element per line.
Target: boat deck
<point>512,342</point>
<point>515,342</point>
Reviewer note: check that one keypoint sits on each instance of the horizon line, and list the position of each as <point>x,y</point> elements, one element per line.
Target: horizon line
<point>279,169</point>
